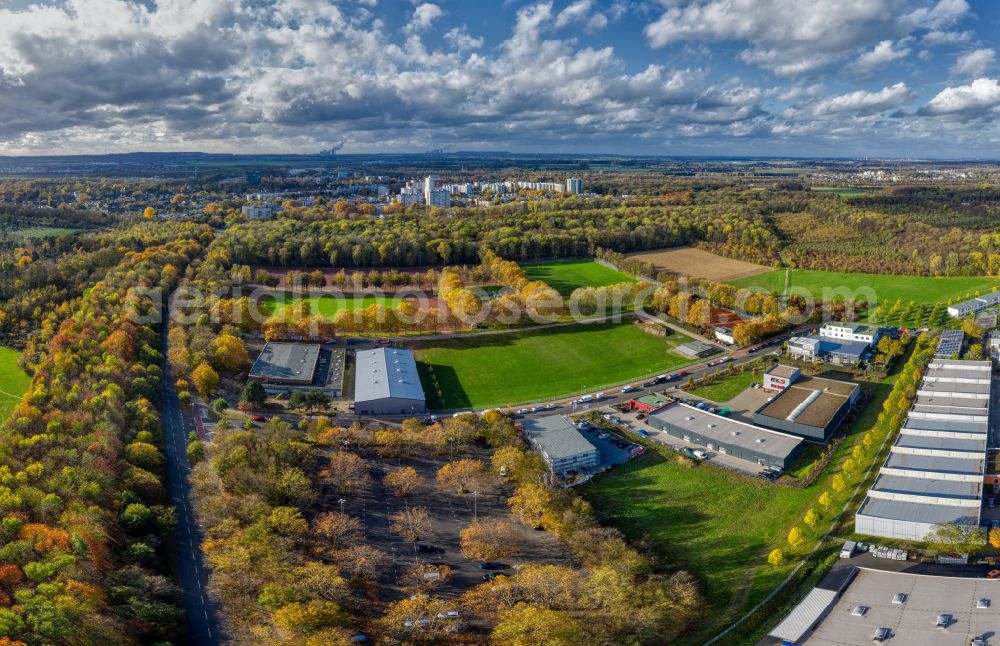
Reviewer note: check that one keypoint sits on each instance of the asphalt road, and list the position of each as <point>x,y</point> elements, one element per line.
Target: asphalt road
<point>202,614</point>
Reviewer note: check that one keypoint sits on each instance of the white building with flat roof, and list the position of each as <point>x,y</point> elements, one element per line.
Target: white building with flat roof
<point>974,305</point>
<point>858,332</point>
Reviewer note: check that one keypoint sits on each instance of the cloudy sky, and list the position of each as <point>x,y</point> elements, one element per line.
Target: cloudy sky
<point>891,78</point>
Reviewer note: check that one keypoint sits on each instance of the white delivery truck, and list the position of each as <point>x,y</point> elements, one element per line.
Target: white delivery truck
<point>847,551</point>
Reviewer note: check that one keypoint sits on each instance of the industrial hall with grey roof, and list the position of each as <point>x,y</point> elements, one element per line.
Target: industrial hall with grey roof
<point>386,382</point>
<point>934,472</point>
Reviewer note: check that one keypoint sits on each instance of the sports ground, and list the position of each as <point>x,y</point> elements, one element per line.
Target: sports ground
<point>508,369</point>
<point>887,288</point>
<point>13,382</point>
<point>328,305</point>
<point>566,276</point>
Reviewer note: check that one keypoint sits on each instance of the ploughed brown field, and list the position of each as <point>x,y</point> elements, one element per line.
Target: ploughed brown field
<point>699,263</point>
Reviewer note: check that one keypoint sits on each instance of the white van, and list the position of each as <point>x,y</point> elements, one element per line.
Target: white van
<point>586,398</point>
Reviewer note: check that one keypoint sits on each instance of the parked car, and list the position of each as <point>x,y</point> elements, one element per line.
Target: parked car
<point>409,623</point>
<point>628,389</point>
<point>641,416</point>
<point>995,524</point>
<point>701,455</point>
<point>493,565</point>
<point>603,436</point>
<point>642,433</point>
<point>259,418</point>
<point>492,575</point>
<point>648,384</point>
<point>522,411</point>
<point>451,614</point>
<point>428,549</point>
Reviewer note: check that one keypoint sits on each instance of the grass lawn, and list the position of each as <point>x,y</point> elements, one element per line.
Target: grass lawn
<point>34,233</point>
<point>13,382</point>
<point>713,522</point>
<point>565,276</point>
<point>726,388</point>
<point>507,369</point>
<point>887,288</point>
<point>842,191</point>
<point>328,305</point>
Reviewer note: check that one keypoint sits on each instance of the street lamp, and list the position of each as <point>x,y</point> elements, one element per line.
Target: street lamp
<point>475,505</point>
<point>342,501</point>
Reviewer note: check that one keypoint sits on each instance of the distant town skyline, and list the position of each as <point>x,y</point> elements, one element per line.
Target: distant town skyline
<point>856,78</point>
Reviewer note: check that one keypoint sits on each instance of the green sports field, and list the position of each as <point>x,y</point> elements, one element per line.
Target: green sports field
<point>13,382</point>
<point>34,233</point>
<point>887,288</point>
<point>842,191</point>
<point>328,305</point>
<point>566,276</point>
<point>508,369</point>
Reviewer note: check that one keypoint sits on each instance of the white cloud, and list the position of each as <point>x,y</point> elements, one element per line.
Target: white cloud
<point>295,74</point>
<point>461,40</point>
<point>974,63</point>
<point>790,37</point>
<point>861,102</point>
<point>942,15</point>
<point>581,12</point>
<point>935,37</point>
<point>424,15</point>
<point>883,54</point>
<point>974,99</point>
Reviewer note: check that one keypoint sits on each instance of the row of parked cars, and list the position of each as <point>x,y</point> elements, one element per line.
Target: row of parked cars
<point>705,406</point>
<point>694,454</point>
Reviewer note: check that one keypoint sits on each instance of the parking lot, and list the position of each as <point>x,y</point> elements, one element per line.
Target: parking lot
<point>613,445</point>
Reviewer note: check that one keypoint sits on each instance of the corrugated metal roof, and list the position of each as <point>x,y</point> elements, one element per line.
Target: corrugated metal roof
<point>917,512</point>
<point>805,615</point>
<point>386,372</point>
<point>939,413</point>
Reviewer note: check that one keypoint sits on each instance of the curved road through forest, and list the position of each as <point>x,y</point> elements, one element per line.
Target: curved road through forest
<point>202,613</point>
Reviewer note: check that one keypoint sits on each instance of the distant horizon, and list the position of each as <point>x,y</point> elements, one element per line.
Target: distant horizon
<point>508,153</point>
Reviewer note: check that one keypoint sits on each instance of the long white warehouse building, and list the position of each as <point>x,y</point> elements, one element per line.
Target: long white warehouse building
<point>934,472</point>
